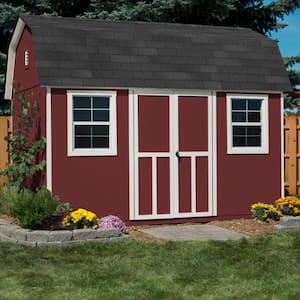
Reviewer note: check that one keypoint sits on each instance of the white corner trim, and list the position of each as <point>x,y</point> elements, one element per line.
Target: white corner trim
<point>131,154</point>
<point>48,138</point>
<point>282,145</point>
<point>11,58</point>
<point>214,159</point>
<point>264,148</point>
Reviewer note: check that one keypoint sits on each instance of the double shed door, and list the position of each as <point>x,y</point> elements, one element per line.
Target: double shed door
<point>173,159</point>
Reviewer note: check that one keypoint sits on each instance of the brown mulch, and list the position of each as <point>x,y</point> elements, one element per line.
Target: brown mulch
<point>249,227</point>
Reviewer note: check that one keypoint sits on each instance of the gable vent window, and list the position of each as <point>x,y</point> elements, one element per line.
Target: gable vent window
<point>26,58</point>
<point>92,123</point>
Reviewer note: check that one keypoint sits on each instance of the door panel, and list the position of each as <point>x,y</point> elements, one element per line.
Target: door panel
<point>163,185</point>
<point>202,184</point>
<point>145,186</point>
<point>184,167</point>
<point>153,123</point>
<point>193,123</point>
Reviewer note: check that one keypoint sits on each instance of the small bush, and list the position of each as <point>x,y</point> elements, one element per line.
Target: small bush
<point>8,196</point>
<point>32,210</point>
<point>265,212</point>
<point>81,218</point>
<point>113,222</point>
<point>289,205</point>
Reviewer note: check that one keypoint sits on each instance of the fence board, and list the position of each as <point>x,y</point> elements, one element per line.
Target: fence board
<point>5,130</point>
<point>291,154</point>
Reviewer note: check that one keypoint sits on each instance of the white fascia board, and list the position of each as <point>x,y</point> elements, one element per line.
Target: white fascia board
<point>11,58</point>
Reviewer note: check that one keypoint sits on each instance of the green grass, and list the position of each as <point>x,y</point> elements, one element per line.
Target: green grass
<point>259,268</point>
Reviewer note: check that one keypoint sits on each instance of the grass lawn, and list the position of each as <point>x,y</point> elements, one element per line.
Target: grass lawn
<point>259,268</point>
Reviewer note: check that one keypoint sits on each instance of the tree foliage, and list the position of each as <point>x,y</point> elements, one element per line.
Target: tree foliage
<point>247,13</point>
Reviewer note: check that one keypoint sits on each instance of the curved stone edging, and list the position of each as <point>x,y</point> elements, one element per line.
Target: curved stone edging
<point>19,235</point>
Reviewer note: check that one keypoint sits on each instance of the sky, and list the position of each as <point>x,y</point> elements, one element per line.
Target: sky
<point>289,37</point>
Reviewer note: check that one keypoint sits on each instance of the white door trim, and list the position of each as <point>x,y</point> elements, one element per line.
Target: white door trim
<point>173,131</point>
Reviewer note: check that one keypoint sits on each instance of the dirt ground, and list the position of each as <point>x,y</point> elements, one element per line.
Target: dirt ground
<point>249,227</point>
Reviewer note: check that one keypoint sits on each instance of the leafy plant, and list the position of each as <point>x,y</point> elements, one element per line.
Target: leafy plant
<point>81,218</point>
<point>8,197</point>
<point>113,222</point>
<point>25,152</point>
<point>289,205</point>
<point>32,210</point>
<point>265,212</point>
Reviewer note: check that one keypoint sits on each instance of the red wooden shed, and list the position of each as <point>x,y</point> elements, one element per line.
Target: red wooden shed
<point>153,121</point>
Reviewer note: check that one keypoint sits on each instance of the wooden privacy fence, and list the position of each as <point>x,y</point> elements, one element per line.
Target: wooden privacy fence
<point>5,130</point>
<point>292,154</point>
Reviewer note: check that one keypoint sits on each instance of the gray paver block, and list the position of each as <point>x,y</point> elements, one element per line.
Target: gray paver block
<point>60,236</point>
<point>290,221</point>
<point>84,234</point>
<point>107,233</point>
<point>8,230</point>
<point>4,222</point>
<point>20,234</point>
<point>38,236</point>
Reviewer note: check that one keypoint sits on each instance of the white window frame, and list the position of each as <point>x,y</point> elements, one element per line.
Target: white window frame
<point>112,149</point>
<point>264,124</point>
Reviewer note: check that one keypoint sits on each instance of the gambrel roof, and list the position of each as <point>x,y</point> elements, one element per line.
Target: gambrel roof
<point>95,53</point>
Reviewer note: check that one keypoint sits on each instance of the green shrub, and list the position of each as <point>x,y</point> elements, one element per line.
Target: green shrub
<point>8,196</point>
<point>32,210</point>
<point>265,212</point>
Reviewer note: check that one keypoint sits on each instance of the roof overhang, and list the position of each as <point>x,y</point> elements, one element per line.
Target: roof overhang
<point>11,58</point>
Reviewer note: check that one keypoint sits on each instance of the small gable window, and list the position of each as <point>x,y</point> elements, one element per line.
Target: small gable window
<point>247,124</point>
<point>26,58</point>
<point>92,123</point>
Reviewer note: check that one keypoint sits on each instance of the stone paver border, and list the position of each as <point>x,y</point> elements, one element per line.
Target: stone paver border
<point>288,223</point>
<point>16,234</point>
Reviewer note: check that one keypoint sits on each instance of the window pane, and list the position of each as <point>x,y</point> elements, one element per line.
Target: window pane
<point>254,130</point>
<point>239,141</point>
<point>253,116</point>
<point>239,130</point>
<point>101,115</point>
<point>254,104</point>
<point>82,115</point>
<point>81,102</point>
<point>100,130</point>
<point>238,116</point>
<point>238,104</point>
<point>82,130</point>
<point>100,102</point>
<point>253,141</point>
<point>82,142</point>
<point>100,142</point>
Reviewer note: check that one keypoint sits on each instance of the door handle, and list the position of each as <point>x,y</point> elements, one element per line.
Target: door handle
<point>177,154</point>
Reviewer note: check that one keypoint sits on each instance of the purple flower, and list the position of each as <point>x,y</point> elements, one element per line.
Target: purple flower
<point>113,222</point>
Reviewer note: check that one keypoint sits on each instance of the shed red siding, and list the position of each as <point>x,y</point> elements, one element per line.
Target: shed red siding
<point>245,179</point>
<point>100,184</point>
<point>25,77</point>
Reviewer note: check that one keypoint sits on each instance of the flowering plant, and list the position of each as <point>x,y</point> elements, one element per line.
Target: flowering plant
<point>81,218</point>
<point>289,205</point>
<point>113,222</point>
<point>265,212</point>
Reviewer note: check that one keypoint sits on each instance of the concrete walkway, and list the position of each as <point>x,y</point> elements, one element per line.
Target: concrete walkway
<point>198,232</point>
